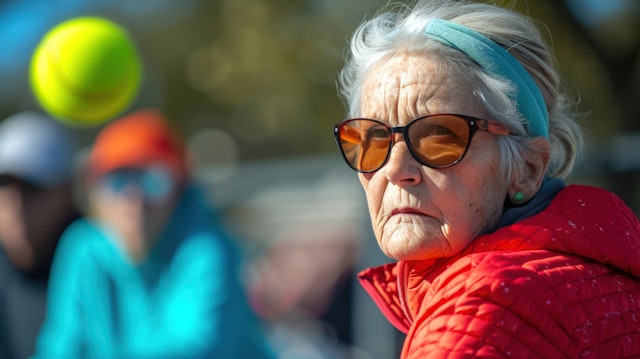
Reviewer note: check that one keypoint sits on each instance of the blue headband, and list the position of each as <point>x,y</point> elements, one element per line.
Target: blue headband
<point>495,59</point>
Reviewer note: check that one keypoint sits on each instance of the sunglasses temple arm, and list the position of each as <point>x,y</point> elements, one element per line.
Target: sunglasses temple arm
<point>494,127</point>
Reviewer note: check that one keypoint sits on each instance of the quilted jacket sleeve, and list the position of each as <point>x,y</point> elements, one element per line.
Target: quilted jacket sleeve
<point>493,304</point>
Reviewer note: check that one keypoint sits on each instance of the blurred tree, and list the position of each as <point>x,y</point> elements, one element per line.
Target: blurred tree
<point>600,58</point>
<point>264,71</point>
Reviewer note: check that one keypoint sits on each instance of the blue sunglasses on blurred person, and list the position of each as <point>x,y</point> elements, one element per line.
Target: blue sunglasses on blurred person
<point>154,183</point>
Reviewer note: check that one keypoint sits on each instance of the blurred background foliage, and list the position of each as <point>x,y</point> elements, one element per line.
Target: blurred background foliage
<point>262,73</point>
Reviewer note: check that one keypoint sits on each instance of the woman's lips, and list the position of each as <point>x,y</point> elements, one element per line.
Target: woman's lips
<point>407,211</point>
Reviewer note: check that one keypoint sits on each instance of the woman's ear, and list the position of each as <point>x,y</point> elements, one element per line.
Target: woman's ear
<point>528,182</point>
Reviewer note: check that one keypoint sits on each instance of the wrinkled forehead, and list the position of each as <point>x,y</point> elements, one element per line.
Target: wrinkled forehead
<point>406,86</point>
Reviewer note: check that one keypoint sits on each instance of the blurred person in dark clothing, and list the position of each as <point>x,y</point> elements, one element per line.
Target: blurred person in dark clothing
<point>149,272</point>
<point>36,204</point>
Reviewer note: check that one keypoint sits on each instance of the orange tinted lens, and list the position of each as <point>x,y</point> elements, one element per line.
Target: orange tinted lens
<point>365,144</point>
<point>439,140</point>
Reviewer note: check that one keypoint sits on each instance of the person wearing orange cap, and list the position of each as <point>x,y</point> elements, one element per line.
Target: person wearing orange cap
<point>149,273</point>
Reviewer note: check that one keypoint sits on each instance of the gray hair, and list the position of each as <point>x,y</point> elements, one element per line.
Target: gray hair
<point>401,29</point>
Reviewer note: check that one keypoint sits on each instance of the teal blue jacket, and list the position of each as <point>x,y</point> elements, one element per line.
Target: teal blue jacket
<point>185,301</point>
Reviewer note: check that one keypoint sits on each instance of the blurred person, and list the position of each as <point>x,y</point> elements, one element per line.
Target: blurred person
<point>36,205</point>
<point>302,288</point>
<point>300,280</point>
<point>461,136</point>
<point>149,273</point>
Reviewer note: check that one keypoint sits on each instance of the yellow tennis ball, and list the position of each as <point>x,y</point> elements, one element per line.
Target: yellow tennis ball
<point>85,71</point>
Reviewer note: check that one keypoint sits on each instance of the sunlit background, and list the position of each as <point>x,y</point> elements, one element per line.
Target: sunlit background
<point>252,86</point>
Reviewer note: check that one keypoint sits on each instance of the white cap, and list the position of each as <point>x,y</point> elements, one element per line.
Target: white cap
<point>36,149</point>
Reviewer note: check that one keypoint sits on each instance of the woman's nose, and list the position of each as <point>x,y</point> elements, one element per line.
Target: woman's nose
<point>402,168</point>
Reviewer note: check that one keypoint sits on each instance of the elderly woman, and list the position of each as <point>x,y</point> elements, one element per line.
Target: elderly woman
<point>461,137</point>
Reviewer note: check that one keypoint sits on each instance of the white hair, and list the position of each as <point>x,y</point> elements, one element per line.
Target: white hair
<point>400,28</point>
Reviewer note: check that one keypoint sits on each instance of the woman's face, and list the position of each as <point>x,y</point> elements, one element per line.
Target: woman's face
<point>418,212</point>
<point>135,204</point>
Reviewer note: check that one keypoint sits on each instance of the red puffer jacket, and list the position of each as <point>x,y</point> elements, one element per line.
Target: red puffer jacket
<point>564,283</point>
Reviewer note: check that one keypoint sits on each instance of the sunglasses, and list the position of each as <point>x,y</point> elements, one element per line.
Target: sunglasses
<point>154,183</point>
<point>436,141</point>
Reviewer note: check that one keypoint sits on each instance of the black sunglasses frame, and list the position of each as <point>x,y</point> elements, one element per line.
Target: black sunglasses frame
<point>474,124</point>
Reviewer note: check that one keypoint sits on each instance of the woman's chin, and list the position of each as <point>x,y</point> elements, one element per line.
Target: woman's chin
<point>406,252</point>
<point>406,243</point>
